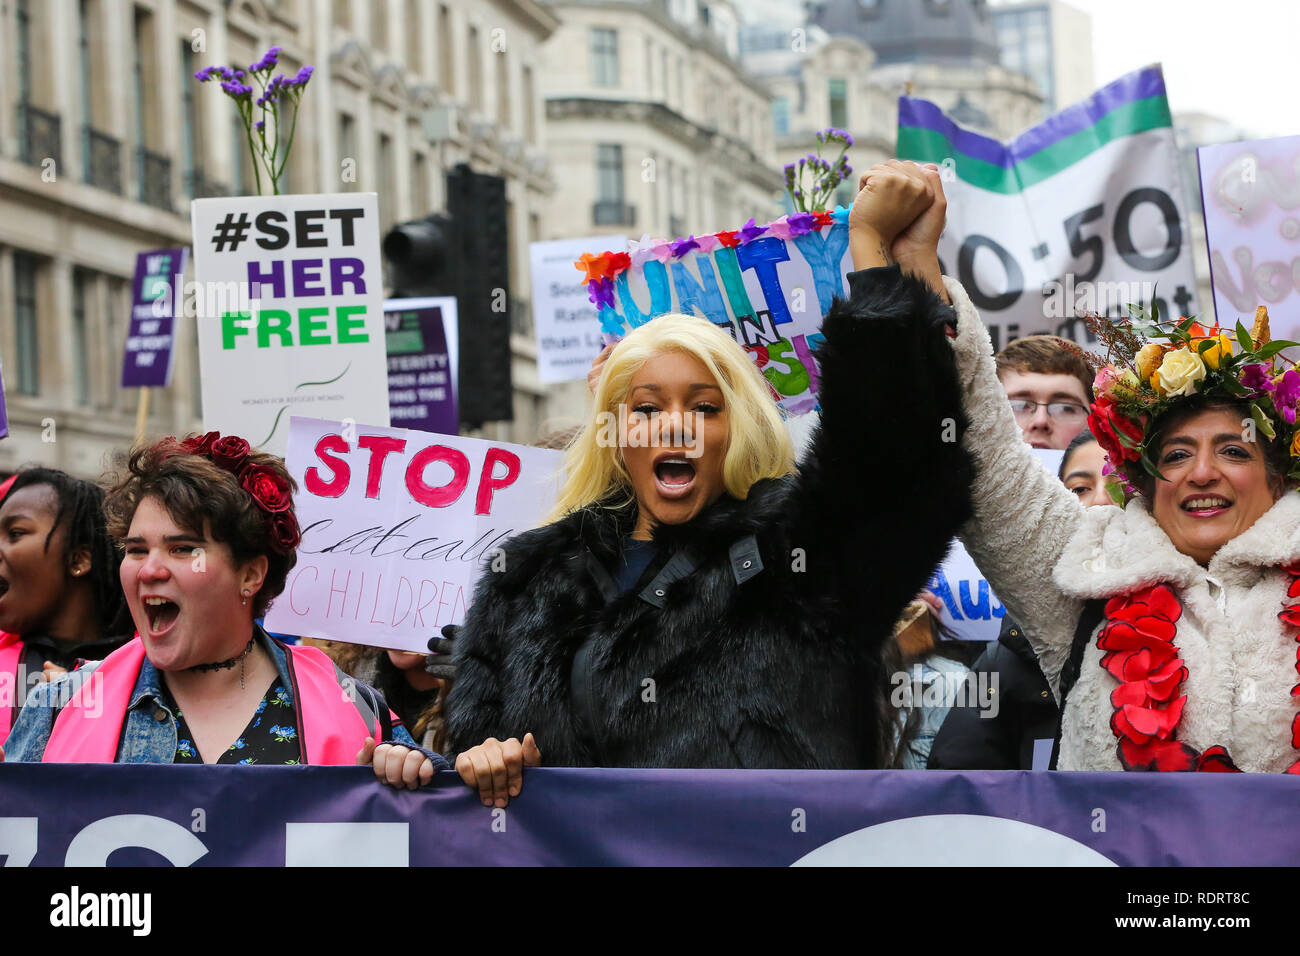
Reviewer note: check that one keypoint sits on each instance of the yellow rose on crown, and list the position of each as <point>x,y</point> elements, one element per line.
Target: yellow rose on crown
<point>1211,356</point>
<point>1179,374</point>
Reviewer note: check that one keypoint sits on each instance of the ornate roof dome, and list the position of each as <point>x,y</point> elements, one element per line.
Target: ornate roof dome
<point>914,31</point>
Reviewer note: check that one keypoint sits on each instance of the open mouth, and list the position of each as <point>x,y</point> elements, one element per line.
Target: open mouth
<point>1206,506</point>
<point>162,614</point>
<point>674,476</point>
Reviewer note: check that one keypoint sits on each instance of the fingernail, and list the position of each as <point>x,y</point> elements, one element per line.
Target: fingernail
<point>501,801</point>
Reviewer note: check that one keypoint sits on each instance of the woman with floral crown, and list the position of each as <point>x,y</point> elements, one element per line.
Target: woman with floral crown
<point>1169,626</point>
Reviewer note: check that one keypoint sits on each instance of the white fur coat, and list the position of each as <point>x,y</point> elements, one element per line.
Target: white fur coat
<point>1044,554</point>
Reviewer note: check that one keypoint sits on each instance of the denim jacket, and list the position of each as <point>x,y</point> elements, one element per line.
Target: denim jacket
<point>149,732</point>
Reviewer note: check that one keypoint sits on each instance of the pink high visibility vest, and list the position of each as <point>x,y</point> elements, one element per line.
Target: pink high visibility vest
<point>11,656</point>
<point>332,727</point>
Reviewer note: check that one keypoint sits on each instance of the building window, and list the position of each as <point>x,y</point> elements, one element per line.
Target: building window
<point>781,116</point>
<point>189,120</point>
<point>348,149</point>
<point>503,90</point>
<point>529,106</point>
<point>475,70</point>
<point>387,192</point>
<point>24,52</point>
<point>446,65</point>
<point>341,17</point>
<point>839,103</point>
<point>379,24</point>
<point>28,369</point>
<point>414,33</point>
<point>80,340</point>
<point>604,57</point>
<point>419,184</point>
<point>609,172</point>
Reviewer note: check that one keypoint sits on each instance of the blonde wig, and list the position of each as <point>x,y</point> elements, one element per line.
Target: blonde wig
<point>758,445</point>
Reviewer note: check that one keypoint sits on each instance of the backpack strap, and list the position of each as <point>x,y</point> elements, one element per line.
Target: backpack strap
<point>1093,612</point>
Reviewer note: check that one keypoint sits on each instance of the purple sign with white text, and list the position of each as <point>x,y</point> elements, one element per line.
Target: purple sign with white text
<point>151,333</point>
<point>420,337</point>
<point>88,815</point>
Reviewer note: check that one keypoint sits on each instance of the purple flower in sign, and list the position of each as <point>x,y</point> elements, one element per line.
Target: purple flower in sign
<point>303,76</point>
<point>268,60</point>
<point>1257,377</point>
<point>1287,394</point>
<point>682,246</point>
<point>601,293</point>
<point>749,232</point>
<point>236,89</point>
<point>260,125</point>
<point>800,223</point>
<point>208,73</point>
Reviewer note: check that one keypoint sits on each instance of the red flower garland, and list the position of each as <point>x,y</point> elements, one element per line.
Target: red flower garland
<point>1138,639</point>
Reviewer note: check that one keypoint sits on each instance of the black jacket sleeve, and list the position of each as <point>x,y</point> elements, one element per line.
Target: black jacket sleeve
<point>885,482</point>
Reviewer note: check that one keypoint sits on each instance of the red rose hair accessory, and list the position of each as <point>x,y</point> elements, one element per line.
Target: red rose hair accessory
<point>264,485</point>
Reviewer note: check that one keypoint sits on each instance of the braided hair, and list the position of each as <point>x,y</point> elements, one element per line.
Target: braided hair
<point>81,512</point>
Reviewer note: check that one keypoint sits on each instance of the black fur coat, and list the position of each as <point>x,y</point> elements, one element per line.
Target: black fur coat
<point>755,637</point>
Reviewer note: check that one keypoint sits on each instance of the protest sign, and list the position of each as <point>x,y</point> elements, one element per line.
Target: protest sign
<point>420,335</point>
<point>970,608</point>
<point>397,526</point>
<point>1250,192</point>
<point>4,417</point>
<point>1084,212</point>
<point>564,319</point>
<point>151,332</point>
<point>767,285</point>
<point>142,815</point>
<point>300,329</point>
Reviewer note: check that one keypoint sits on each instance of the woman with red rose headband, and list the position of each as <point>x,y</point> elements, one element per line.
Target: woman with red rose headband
<point>209,533</point>
<point>1167,628</point>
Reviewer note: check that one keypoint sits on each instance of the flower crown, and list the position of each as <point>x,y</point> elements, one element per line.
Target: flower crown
<point>269,490</point>
<point>1152,377</point>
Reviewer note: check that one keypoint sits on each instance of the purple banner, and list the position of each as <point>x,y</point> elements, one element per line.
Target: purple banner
<point>66,814</point>
<point>4,417</point>
<point>150,337</point>
<point>421,365</point>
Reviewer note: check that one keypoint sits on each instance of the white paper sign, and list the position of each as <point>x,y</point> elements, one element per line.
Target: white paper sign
<point>290,312</point>
<point>397,525</point>
<point>970,608</point>
<point>564,319</point>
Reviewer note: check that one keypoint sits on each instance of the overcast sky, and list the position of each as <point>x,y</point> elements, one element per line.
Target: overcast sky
<point>1235,59</point>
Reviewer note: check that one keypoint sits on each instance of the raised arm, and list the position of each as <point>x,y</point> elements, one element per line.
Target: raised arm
<point>884,485</point>
<point>1023,516</point>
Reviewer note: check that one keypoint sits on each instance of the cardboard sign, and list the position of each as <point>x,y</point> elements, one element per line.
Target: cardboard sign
<point>420,335</point>
<point>1250,192</point>
<point>970,608</point>
<point>564,319</point>
<point>397,526</point>
<point>301,327</point>
<point>1085,212</point>
<point>767,285</point>
<point>151,332</point>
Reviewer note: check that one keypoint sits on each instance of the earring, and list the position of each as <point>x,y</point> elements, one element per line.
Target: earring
<point>244,601</point>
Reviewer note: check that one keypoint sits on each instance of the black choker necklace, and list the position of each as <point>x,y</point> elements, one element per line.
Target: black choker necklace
<point>227,665</point>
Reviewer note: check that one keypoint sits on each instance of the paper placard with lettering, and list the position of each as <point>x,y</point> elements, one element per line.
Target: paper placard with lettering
<point>1084,212</point>
<point>397,525</point>
<point>422,363</point>
<point>290,312</point>
<point>970,608</point>
<point>1250,192</point>
<point>768,286</point>
<point>564,318</point>
<point>151,331</point>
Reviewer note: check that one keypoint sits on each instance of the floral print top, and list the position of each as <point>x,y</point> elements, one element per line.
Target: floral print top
<point>269,738</point>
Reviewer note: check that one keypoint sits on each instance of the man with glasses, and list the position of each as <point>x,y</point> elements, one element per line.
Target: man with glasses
<point>1050,387</point>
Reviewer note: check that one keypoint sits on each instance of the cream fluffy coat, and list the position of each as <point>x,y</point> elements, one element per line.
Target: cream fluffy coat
<point>1044,554</point>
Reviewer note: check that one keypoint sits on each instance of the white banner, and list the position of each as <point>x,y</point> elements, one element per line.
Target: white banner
<point>564,318</point>
<point>290,312</point>
<point>397,525</point>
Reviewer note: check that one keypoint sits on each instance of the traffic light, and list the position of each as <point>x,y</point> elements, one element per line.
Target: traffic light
<point>464,254</point>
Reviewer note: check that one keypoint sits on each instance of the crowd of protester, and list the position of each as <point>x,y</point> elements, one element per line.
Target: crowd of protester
<point>150,590</point>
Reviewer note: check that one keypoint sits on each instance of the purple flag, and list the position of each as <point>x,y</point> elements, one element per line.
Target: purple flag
<point>150,337</point>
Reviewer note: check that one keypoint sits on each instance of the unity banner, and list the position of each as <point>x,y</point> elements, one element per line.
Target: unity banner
<point>423,353</point>
<point>151,333</point>
<point>768,286</point>
<point>1084,212</point>
<point>565,323</point>
<point>123,815</point>
<point>1250,192</point>
<point>397,526</point>
<point>300,325</point>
